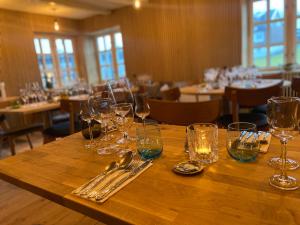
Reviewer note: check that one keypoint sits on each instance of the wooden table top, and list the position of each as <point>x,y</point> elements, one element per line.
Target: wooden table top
<point>32,108</point>
<point>227,192</point>
<point>200,89</point>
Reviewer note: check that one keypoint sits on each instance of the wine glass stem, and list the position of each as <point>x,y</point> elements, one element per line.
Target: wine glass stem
<point>91,133</point>
<point>283,158</point>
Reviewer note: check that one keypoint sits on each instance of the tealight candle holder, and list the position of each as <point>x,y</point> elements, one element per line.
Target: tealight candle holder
<point>203,142</point>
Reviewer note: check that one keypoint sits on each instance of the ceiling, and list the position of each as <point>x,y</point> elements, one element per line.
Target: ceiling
<point>75,9</point>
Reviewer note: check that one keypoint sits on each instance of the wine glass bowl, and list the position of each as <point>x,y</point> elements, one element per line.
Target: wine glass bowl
<point>284,125</point>
<point>142,108</point>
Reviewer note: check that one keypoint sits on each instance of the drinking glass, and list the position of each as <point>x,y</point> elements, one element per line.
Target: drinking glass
<point>149,143</point>
<point>101,110</point>
<point>276,162</point>
<point>242,141</point>
<point>203,142</point>
<point>121,91</point>
<point>85,115</point>
<point>284,125</point>
<point>142,108</point>
<point>124,118</point>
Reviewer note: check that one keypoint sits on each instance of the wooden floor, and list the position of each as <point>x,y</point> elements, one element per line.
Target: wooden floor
<point>20,207</point>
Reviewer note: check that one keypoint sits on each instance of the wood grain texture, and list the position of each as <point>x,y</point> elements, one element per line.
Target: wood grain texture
<point>176,40</point>
<point>227,192</point>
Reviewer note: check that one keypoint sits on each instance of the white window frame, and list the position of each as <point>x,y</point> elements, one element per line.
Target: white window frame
<point>57,71</point>
<point>111,32</point>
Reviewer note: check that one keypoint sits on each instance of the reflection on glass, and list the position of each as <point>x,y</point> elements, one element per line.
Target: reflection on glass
<point>49,62</point>
<point>121,70</point>
<point>260,57</point>
<point>259,11</point>
<point>276,9</point>
<point>118,40</point>
<point>62,61</point>
<point>259,34</point>
<point>45,46</point>
<point>277,55</point>
<point>68,46</point>
<point>120,56</point>
<point>101,45</point>
<point>276,32</point>
<point>37,46</point>
<point>59,46</point>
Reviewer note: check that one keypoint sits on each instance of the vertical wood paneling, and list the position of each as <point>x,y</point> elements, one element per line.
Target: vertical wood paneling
<point>178,39</point>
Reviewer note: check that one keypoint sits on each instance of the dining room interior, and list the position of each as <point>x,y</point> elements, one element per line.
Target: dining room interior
<point>149,112</point>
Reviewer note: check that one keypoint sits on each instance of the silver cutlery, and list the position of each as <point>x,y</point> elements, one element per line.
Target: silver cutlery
<point>128,167</point>
<point>133,172</point>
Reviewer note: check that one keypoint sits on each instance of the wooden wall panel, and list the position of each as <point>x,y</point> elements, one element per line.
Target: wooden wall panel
<point>18,62</point>
<point>178,39</point>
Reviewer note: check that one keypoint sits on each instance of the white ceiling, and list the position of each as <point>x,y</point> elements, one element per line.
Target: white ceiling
<point>75,9</point>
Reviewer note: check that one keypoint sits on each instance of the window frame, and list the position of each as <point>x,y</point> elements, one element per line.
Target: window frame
<point>111,32</point>
<point>268,45</point>
<point>55,56</point>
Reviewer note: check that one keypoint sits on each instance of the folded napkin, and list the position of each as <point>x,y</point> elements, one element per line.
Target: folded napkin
<point>116,181</point>
<point>264,147</point>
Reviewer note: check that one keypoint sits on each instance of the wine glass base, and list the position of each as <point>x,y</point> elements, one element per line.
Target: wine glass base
<point>287,183</point>
<point>111,149</point>
<point>276,163</point>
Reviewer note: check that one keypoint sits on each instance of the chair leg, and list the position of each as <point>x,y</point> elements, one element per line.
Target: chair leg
<point>12,145</point>
<point>29,141</point>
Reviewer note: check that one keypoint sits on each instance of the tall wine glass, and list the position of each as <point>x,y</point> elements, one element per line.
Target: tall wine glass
<point>101,109</point>
<point>284,125</point>
<point>142,108</point>
<point>124,118</point>
<point>85,115</point>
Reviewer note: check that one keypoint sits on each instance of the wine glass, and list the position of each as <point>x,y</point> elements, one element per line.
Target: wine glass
<point>276,162</point>
<point>121,91</point>
<point>142,108</point>
<point>85,115</point>
<point>284,125</point>
<point>101,110</point>
<point>124,118</point>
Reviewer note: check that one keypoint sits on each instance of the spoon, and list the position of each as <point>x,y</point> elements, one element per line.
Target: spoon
<point>125,163</point>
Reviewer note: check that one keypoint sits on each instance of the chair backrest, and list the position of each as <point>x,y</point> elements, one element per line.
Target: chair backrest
<point>72,107</point>
<point>172,94</point>
<point>184,113</point>
<point>296,84</point>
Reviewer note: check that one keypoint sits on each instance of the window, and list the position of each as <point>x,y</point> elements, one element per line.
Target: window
<point>56,60</point>
<point>111,56</point>
<point>267,33</point>
<point>298,32</point>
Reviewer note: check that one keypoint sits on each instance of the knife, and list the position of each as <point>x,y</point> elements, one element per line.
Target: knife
<point>135,171</point>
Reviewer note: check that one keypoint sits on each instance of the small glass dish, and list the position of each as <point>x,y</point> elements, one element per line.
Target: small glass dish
<point>243,141</point>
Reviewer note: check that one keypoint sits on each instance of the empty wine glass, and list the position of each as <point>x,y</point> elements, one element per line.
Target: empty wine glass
<point>124,118</point>
<point>121,91</point>
<point>101,110</point>
<point>85,115</point>
<point>142,108</point>
<point>284,125</point>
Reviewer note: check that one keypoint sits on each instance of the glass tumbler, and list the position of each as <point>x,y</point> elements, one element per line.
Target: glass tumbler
<point>242,141</point>
<point>203,142</point>
<point>149,143</point>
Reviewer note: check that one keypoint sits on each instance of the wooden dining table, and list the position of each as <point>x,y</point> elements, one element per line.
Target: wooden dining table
<point>4,102</point>
<point>226,192</point>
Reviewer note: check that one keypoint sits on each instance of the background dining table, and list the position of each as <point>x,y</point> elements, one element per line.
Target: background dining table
<point>227,192</point>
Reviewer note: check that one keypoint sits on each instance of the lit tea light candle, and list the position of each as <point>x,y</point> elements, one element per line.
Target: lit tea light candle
<point>203,150</point>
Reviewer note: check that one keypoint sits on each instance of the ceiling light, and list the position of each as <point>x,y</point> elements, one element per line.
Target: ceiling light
<point>137,4</point>
<point>56,25</point>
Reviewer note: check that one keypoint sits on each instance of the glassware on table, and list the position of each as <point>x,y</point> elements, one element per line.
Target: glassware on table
<point>121,91</point>
<point>149,142</point>
<point>85,115</point>
<point>203,143</point>
<point>284,125</point>
<point>101,111</point>
<point>142,108</point>
<point>242,141</point>
<point>276,162</point>
<point>124,118</point>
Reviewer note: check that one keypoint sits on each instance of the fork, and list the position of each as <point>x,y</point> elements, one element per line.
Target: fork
<point>96,193</point>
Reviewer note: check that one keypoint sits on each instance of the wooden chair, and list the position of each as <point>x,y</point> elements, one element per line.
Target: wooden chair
<point>10,134</point>
<point>184,113</point>
<point>172,94</point>
<point>296,85</point>
<point>249,98</point>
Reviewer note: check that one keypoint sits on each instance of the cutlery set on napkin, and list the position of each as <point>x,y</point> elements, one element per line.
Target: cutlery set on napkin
<point>114,178</point>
